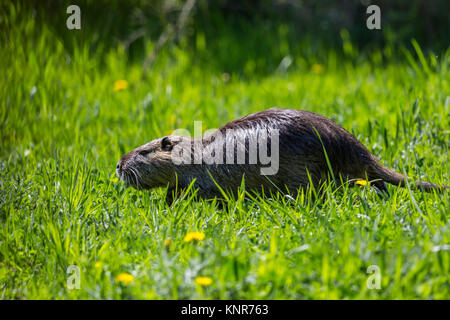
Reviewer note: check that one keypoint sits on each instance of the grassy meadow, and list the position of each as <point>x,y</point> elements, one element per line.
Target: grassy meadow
<point>66,119</point>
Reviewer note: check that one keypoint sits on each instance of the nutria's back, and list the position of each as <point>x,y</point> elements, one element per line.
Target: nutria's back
<point>273,150</point>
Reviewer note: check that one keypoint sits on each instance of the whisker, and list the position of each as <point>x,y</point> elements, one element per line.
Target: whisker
<point>126,176</point>
<point>139,185</point>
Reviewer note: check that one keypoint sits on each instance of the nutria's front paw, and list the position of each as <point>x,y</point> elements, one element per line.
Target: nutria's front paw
<point>169,196</point>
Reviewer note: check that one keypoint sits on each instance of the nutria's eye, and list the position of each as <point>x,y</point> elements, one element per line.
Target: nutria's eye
<point>144,152</point>
<point>166,144</point>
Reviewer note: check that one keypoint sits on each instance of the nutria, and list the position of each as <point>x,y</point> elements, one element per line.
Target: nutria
<point>308,146</point>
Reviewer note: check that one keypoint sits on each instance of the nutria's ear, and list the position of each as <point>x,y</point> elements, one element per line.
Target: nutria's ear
<point>166,144</point>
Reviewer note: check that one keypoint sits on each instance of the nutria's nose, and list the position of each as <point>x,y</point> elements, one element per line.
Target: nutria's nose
<point>118,169</point>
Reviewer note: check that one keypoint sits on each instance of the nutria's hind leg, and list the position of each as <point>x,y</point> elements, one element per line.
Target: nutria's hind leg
<point>380,187</point>
<point>222,205</point>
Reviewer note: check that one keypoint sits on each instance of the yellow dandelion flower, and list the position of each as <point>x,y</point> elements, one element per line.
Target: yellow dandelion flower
<point>363,182</point>
<point>317,68</point>
<point>167,242</point>
<point>203,281</point>
<point>124,278</point>
<point>120,85</point>
<point>194,236</point>
<point>98,264</point>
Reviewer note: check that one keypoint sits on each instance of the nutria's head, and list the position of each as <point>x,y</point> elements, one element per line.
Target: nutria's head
<point>150,165</point>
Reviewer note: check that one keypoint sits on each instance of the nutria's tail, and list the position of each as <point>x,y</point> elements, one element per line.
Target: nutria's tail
<point>397,179</point>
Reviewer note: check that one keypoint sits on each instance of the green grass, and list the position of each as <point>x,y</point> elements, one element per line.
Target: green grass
<point>63,129</point>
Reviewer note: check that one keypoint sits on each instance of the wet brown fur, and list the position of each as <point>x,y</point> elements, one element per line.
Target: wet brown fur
<point>301,152</point>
